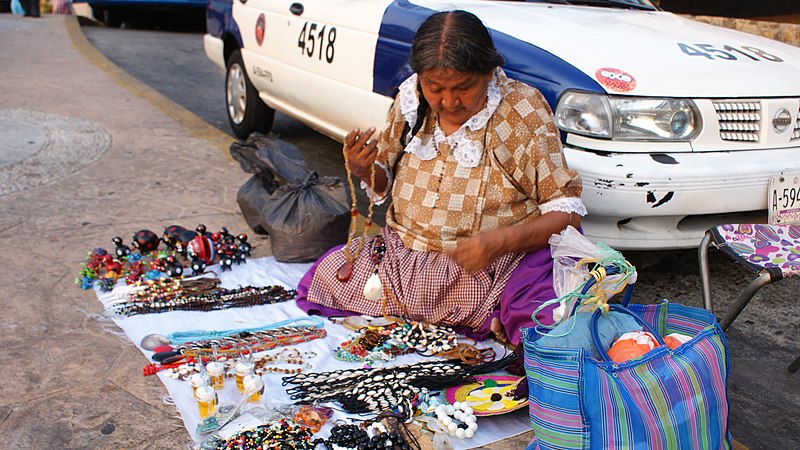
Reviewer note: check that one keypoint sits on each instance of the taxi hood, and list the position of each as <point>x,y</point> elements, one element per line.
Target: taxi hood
<point>661,53</point>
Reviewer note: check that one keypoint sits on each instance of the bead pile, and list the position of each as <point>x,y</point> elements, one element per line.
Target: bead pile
<point>426,339</point>
<point>375,437</point>
<point>282,434</point>
<point>374,344</point>
<point>346,436</point>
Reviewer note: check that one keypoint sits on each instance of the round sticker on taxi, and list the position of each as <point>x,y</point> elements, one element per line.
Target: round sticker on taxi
<point>615,79</point>
<point>260,25</point>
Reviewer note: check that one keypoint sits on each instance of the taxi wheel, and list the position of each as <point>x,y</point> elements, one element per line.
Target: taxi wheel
<point>246,111</point>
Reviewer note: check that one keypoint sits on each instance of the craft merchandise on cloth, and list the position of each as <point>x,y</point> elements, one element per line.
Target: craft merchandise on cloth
<point>183,327</point>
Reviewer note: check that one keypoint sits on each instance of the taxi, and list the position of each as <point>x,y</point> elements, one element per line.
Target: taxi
<point>674,125</point>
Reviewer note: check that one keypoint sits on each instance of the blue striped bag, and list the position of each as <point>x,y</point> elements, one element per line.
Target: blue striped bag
<point>666,399</point>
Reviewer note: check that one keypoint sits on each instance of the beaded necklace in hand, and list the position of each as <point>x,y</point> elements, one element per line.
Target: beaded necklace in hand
<point>345,272</point>
<point>214,300</point>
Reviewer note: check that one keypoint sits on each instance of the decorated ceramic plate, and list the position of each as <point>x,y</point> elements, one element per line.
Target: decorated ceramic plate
<point>491,395</point>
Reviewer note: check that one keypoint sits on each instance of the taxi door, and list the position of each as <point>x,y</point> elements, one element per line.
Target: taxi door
<point>314,59</point>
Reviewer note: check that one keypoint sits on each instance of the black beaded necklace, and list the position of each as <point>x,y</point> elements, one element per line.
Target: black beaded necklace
<point>214,300</point>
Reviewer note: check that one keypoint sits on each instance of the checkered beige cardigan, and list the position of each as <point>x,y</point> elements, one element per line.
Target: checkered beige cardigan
<point>438,201</point>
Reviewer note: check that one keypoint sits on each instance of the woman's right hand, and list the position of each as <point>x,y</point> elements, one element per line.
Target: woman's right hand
<point>361,152</point>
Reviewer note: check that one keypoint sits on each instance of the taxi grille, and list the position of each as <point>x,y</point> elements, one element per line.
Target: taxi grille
<point>738,120</point>
<point>796,131</point>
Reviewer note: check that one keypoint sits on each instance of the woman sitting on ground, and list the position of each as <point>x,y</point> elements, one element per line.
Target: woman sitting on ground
<point>473,164</point>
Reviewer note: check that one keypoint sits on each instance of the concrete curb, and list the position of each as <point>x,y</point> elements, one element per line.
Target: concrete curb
<point>194,124</point>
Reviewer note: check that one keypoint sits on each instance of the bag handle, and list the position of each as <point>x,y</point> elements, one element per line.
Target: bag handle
<point>619,308</point>
<point>591,281</point>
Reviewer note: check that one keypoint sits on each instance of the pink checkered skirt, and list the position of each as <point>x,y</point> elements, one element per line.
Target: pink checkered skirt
<point>425,286</point>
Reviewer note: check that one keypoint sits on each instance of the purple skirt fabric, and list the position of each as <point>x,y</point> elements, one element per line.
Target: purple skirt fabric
<point>530,285</point>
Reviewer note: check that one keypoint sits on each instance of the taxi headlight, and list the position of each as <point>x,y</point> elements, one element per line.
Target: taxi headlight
<point>628,118</point>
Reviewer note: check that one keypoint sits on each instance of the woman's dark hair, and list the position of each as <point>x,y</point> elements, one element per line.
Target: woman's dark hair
<point>455,40</point>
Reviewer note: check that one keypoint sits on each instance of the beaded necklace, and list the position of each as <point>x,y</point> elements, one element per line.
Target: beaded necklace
<point>253,342</point>
<point>276,363</point>
<point>345,271</point>
<point>169,299</point>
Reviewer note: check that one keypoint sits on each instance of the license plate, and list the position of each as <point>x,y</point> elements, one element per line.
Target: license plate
<point>783,198</point>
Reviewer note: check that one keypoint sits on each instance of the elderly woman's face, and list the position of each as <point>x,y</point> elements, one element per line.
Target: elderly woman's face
<point>455,96</point>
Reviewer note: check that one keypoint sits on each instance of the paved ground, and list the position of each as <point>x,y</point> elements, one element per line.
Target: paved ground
<point>124,160</point>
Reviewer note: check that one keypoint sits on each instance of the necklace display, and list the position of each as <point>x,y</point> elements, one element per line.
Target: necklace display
<point>345,271</point>
<point>235,344</point>
<point>169,295</point>
<point>276,363</point>
<point>378,389</point>
<point>253,342</point>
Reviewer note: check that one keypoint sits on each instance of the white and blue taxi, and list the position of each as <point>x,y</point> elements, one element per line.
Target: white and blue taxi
<point>673,125</point>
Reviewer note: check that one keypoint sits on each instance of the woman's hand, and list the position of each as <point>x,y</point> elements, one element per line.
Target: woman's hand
<point>475,253</point>
<point>361,152</point>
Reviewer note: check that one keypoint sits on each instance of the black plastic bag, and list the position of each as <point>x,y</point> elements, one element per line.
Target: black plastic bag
<point>262,155</point>
<point>251,198</point>
<point>304,220</point>
<point>304,214</point>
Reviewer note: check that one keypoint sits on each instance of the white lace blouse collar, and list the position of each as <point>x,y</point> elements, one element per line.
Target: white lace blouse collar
<point>466,151</point>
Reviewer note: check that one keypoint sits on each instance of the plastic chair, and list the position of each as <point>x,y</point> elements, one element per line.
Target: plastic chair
<point>770,251</point>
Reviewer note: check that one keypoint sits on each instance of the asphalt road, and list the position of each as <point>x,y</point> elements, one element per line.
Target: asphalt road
<point>764,397</point>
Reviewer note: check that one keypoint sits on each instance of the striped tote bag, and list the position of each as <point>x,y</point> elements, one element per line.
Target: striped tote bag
<point>666,399</point>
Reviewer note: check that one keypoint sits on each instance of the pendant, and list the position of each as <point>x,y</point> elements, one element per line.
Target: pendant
<point>345,272</point>
<point>373,289</point>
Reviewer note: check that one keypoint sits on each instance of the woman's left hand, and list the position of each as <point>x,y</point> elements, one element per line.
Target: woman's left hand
<point>475,253</point>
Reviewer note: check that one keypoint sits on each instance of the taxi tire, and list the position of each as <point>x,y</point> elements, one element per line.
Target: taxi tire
<point>257,115</point>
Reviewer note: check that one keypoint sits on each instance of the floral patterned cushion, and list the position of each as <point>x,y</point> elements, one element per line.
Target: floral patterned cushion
<point>759,246</point>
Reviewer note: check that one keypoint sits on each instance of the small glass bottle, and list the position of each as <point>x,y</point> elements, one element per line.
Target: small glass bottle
<point>243,369</point>
<point>253,383</point>
<point>198,380</point>
<point>216,370</point>
<point>206,400</point>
